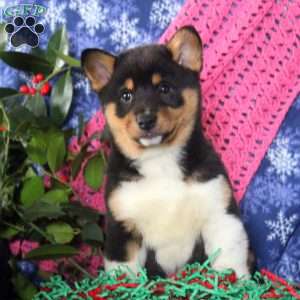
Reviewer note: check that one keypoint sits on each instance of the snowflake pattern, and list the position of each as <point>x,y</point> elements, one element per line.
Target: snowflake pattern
<point>125,32</point>
<point>55,15</point>
<point>256,192</point>
<point>282,227</point>
<point>163,11</point>
<point>273,198</point>
<point>283,161</point>
<point>93,15</point>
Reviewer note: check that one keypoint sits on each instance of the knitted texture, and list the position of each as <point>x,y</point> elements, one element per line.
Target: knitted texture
<point>250,75</point>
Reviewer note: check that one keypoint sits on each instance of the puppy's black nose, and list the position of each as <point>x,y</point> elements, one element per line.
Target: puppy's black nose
<point>146,121</point>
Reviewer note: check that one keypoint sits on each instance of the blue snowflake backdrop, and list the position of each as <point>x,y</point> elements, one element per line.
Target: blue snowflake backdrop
<point>271,206</point>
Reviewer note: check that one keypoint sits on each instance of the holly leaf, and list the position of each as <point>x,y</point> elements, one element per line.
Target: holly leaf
<point>8,232</point>
<point>26,62</point>
<point>36,104</point>
<point>19,117</point>
<point>76,209</point>
<point>71,61</point>
<point>51,252</point>
<point>61,98</point>
<point>8,92</point>
<point>58,43</point>
<point>43,209</point>
<point>23,287</point>
<point>94,172</point>
<point>61,232</point>
<point>32,190</point>
<point>91,232</point>
<point>37,147</point>
<point>56,196</point>
<point>56,151</point>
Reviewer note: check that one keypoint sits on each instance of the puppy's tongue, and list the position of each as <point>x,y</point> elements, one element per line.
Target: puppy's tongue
<point>150,139</point>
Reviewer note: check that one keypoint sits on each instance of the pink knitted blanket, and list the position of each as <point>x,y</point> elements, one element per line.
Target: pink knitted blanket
<point>250,78</point>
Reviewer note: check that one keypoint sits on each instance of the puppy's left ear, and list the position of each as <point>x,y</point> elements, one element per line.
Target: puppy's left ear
<point>98,66</point>
<point>186,48</point>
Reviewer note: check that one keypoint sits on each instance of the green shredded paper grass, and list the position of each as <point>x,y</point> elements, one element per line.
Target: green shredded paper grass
<point>194,281</point>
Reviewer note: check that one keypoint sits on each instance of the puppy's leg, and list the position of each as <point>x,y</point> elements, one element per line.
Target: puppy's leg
<point>122,248</point>
<point>226,232</point>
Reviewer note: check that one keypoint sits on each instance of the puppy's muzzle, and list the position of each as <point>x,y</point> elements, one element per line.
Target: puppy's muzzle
<point>146,121</point>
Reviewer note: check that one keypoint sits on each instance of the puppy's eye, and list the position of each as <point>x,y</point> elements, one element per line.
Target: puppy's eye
<point>126,96</point>
<point>164,88</point>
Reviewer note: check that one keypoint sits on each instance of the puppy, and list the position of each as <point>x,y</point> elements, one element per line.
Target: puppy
<point>168,197</point>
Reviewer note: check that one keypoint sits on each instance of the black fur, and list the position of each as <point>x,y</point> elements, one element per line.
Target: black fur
<point>199,161</point>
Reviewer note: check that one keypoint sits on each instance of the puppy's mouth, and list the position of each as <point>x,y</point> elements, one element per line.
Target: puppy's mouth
<point>149,139</point>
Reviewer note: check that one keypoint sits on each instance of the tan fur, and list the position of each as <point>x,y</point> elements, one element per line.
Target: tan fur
<point>129,84</point>
<point>123,130</point>
<point>186,49</point>
<point>98,67</point>
<point>156,78</point>
<point>180,120</point>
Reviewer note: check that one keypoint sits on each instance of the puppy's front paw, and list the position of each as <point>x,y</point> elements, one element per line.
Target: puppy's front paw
<point>130,268</point>
<point>240,269</point>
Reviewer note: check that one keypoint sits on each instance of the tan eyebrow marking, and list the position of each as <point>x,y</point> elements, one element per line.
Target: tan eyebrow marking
<point>156,78</point>
<point>129,84</point>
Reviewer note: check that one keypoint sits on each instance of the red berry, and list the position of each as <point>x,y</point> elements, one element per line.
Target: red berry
<point>45,90</point>
<point>38,78</point>
<point>24,89</point>
<point>32,91</point>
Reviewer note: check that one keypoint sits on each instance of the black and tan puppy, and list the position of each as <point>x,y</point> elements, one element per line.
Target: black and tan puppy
<point>168,198</point>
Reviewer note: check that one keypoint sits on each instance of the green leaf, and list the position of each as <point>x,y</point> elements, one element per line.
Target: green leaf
<point>32,190</point>
<point>36,104</point>
<point>39,52</point>
<point>76,209</point>
<point>51,252</point>
<point>26,62</point>
<point>61,98</point>
<point>8,233</point>
<point>57,196</point>
<point>62,232</point>
<point>23,287</point>
<point>8,92</point>
<point>91,232</point>
<point>19,116</point>
<point>43,209</point>
<point>71,61</point>
<point>58,42</point>
<point>93,172</point>
<point>4,120</point>
<point>56,151</point>
<point>37,147</point>
<point>29,173</point>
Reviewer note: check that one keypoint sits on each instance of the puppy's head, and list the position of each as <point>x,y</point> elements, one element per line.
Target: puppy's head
<point>150,94</point>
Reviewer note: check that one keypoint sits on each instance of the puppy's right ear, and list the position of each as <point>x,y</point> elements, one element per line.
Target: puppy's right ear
<point>98,66</point>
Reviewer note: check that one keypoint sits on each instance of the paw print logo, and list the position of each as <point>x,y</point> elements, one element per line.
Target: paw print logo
<point>24,31</point>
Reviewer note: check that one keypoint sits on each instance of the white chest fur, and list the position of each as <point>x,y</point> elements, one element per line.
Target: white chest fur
<point>168,211</point>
